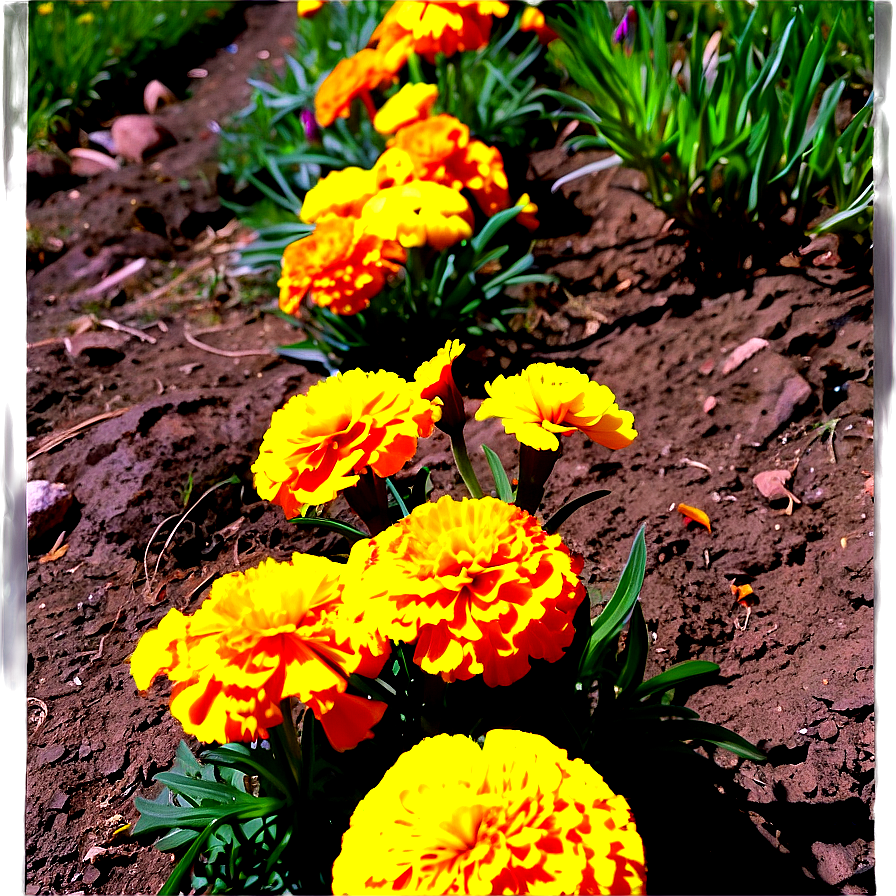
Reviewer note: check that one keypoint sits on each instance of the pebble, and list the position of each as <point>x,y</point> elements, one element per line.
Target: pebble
<point>48,503</point>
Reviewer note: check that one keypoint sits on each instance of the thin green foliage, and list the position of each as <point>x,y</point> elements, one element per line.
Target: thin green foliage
<point>73,46</point>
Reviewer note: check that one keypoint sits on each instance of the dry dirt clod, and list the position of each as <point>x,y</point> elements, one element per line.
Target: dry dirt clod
<point>48,503</point>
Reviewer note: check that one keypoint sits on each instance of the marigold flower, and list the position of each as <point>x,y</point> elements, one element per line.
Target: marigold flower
<point>319,443</point>
<point>261,636</point>
<point>477,585</point>
<point>307,8</point>
<point>516,816</point>
<point>354,78</point>
<point>86,18</point>
<point>443,153</point>
<point>533,19</point>
<point>435,381</point>
<point>44,9</point>
<point>393,168</point>
<point>438,27</point>
<point>547,400</point>
<point>340,193</point>
<point>419,213</point>
<point>411,103</point>
<point>341,266</point>
<point>527,216</point>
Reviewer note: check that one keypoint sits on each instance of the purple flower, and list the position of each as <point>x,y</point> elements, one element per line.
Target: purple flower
<point>309,122</point>
<point>625,31</point>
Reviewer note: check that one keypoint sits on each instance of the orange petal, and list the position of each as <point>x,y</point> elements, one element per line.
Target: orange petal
<point>694,514</point>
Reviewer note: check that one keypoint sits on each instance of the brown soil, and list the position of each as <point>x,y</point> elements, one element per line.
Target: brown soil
<point>797,680</point>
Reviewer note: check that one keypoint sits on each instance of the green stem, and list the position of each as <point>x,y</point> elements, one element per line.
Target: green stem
<point>464,467</point>
<point>289,741</point>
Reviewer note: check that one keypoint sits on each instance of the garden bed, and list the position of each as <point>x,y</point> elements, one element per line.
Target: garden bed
<point>178,418</point>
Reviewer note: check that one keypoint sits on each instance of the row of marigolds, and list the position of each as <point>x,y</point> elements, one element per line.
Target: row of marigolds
<point>448,667</point>
<point>404,232</point>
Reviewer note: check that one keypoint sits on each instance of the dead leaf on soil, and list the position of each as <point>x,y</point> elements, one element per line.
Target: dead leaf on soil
<point>156,95</point>
<point>694,515</point>
<point>771,484</point>
<point>88,162</point>
<point>742,353</point>
<point>55,554</point>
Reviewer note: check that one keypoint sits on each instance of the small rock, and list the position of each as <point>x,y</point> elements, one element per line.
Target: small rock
<point>794,395</point>
<point>139,136</point>
<point>828,729</point>
<point>85,750</point>
<point>115,762</point>
<point>59,801</point>
<point>48,503</point>
<point>49,755</point>
<point>92,875</point>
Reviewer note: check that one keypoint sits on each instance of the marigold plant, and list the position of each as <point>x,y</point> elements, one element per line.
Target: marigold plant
<point>436,381</point>
<point>547,400</point>
<point>318,444</point>
<point>261,636</point>
<point>516,816</point>
<point>477,585</point>
<point>418,213</point>
<point>438,27</point>
<point>340,265</point>
<point>341,193</point>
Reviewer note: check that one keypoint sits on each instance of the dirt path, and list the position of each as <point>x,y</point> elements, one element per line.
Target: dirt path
<point>180,418</point>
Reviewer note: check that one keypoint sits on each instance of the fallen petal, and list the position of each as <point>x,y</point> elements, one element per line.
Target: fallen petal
<point>742,353</point>
<point>695,515</point>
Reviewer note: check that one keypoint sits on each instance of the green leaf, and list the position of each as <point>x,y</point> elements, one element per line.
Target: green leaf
<point>171,887</point>
<point>653,711</point>
<point>502,483</point>
<point>198,790</point>
<point>608,625</point>
<point>324,523</point>
<point>398,499</point>
<point>177,838</point>
<point>155,816</point>
<point>570,507</point>
<point>674,676</point>
<point>637,645</point>
<point>695,730</point>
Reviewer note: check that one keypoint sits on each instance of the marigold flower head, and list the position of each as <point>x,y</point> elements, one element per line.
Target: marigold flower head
<point>435,381</point>
<point>340,193</point>
<point>411,103</point>
<point>319,443</point>
<point>261,636</point>
<point>533,19</point>
<point>442,152</point>
<point>393,168</point>
<point>44,9</point>
<point>516,816</point>
<point>438,27</point>
<point>419,213</point>
<point>477,585</point>
<point>307,8</point>
<point>341,266</point>
<point>527,216</point>
<point>355,77</point>
<point>547,400</point>
<point>86,18</point>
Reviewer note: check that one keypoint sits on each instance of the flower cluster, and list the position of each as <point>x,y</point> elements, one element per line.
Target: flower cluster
<point>262,636</point>
<point>516,816</point>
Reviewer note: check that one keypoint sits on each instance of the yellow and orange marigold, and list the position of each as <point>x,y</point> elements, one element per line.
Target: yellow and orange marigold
<point>342,193</point>
<point>308,8</point>
<point>354,78</point>
<point>412,103</point>
<point>429,28</point>
<point>477,585</point>
<point>442,152</point>
<point>547,400</point>
<point>319,443</point>
<point>418,213</point>
<point>533,19</point>
<point>261,636</point>
<point>341,266</point>
<point>436,381</point>
<point>516,816</point>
